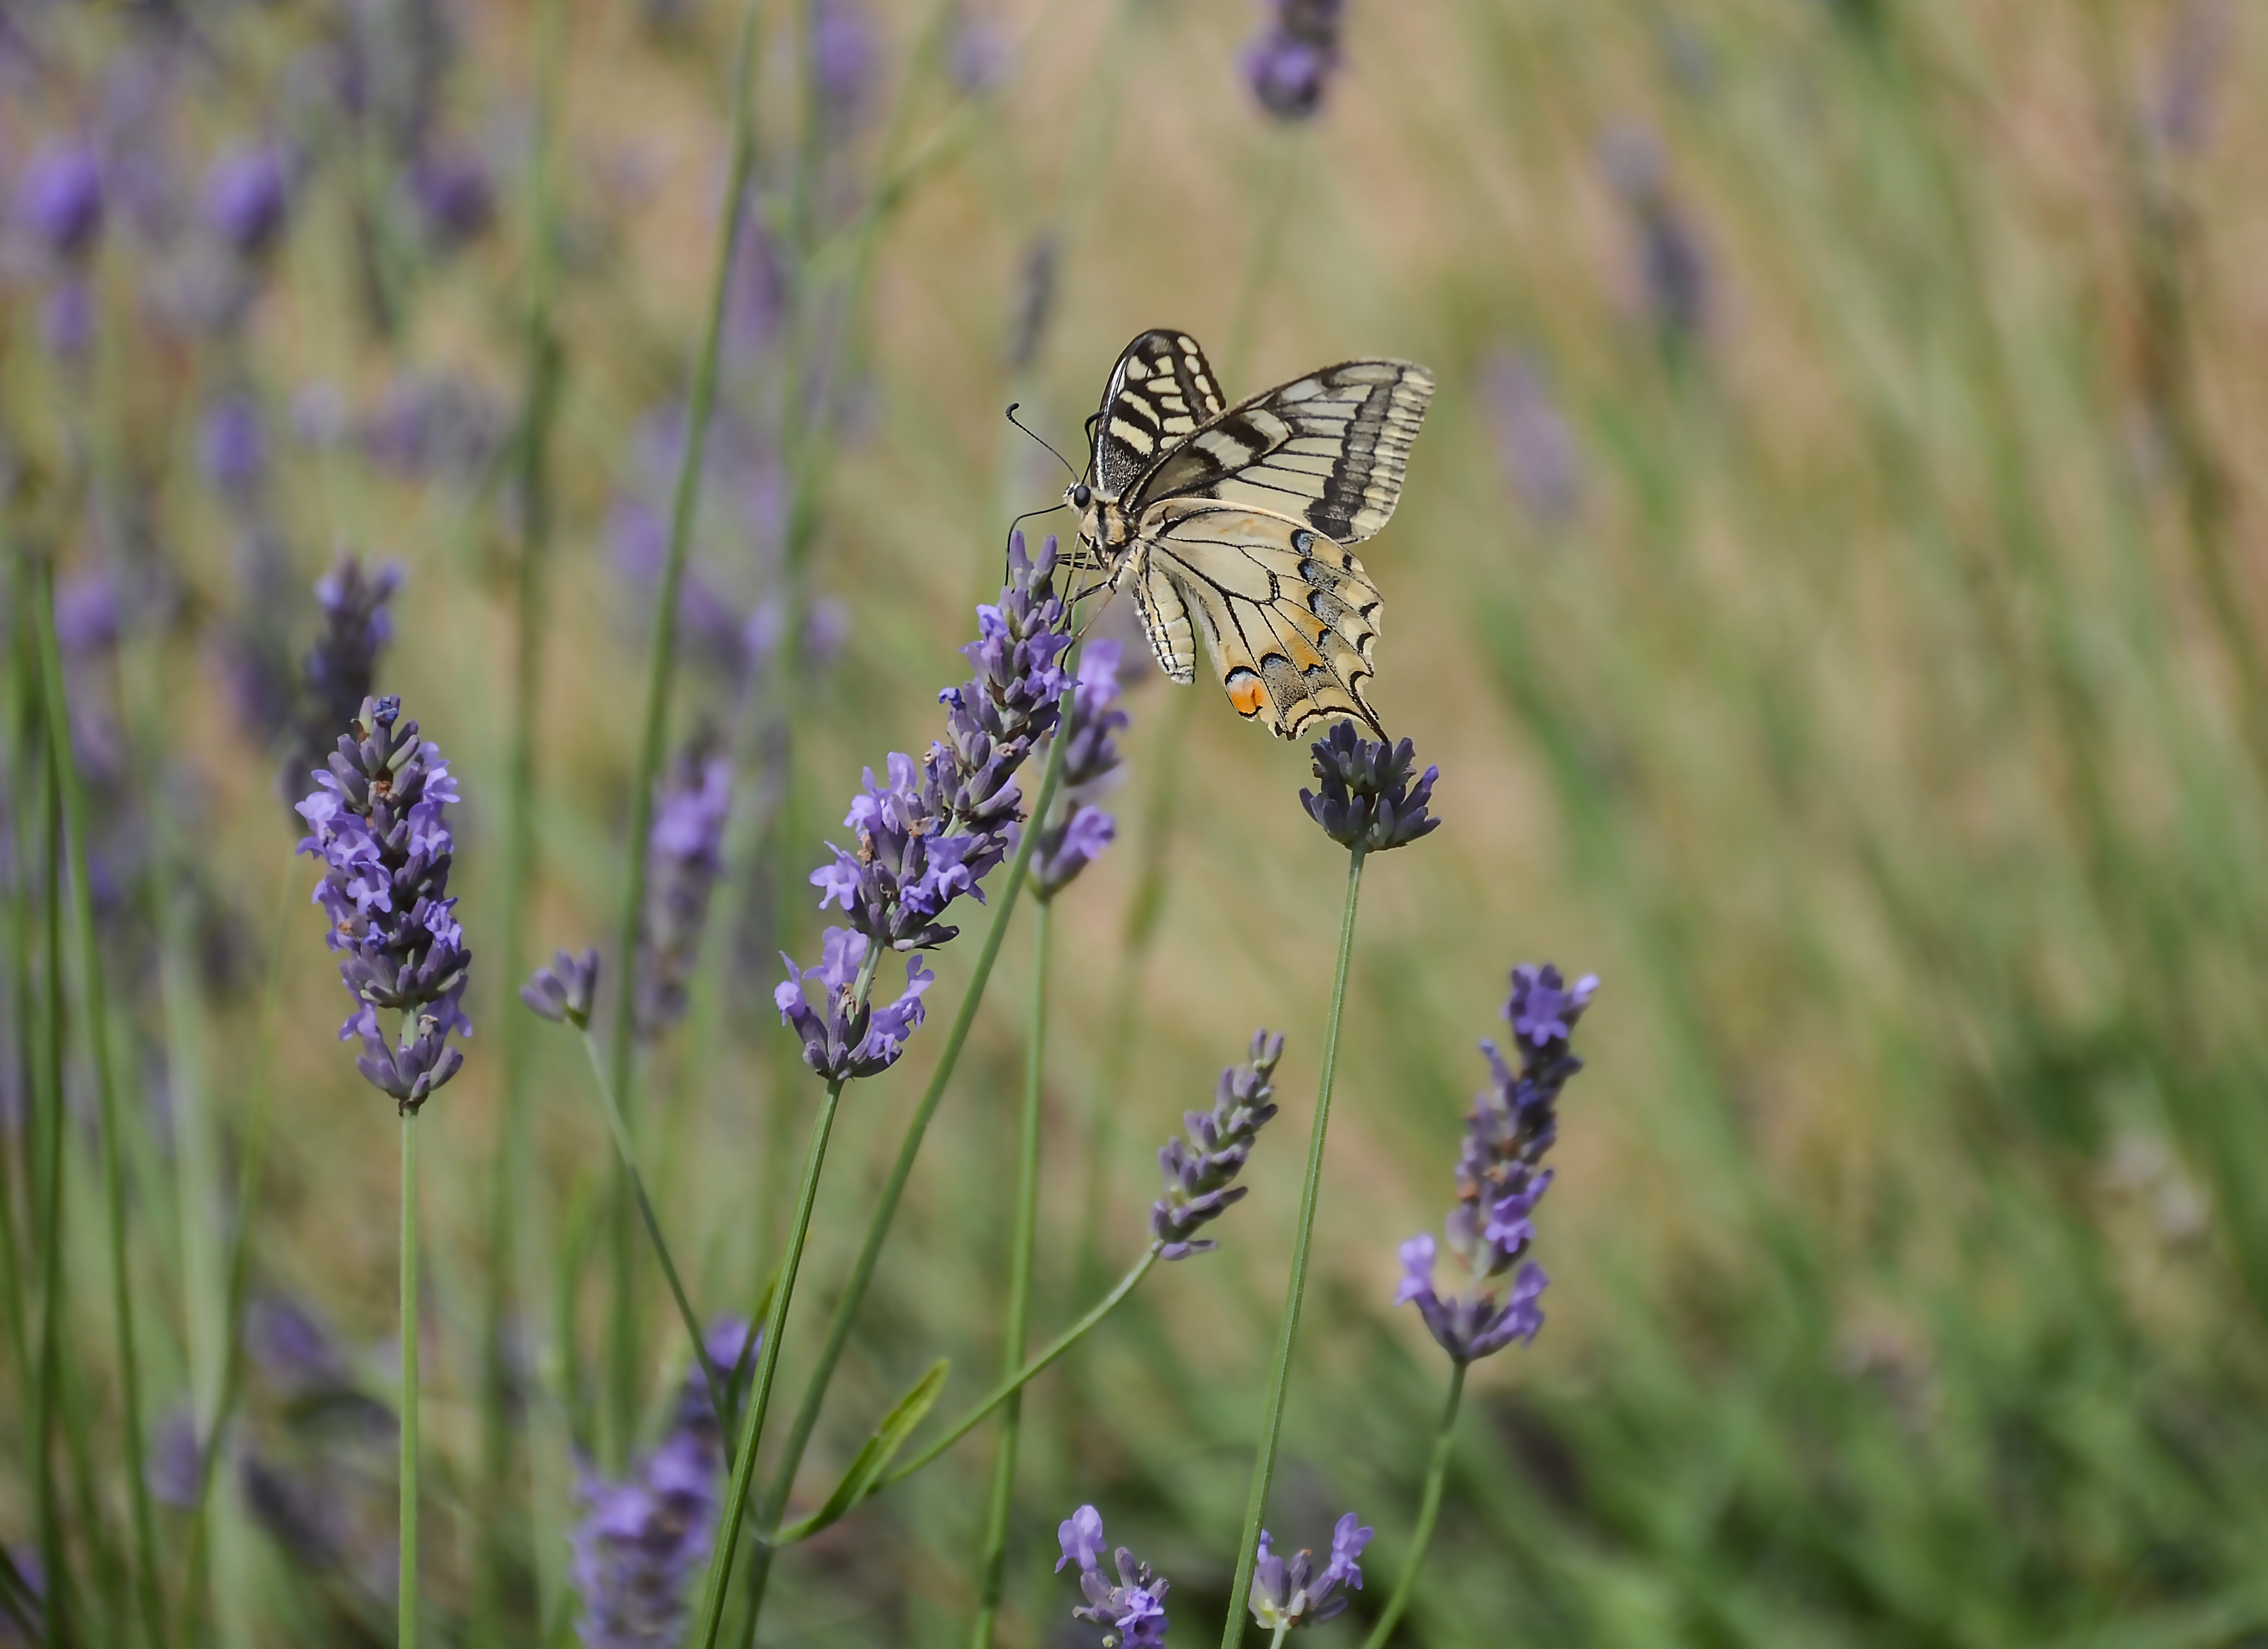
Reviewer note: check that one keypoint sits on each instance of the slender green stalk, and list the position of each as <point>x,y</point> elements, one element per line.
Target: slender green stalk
<point>47,1141</point>
<point>1436,1472</point>
<point>717,1397</point>
<point>1264,1467</point>
<point>1025,1375</point>
<point>992,1567</point>
<point>514,1268</point>
<point>661,657</point>
<point>406,1604</point>
<point>97,1017</point>
<point>240,1255</point>
<point>885,1207</point>
<point>752,1428</point>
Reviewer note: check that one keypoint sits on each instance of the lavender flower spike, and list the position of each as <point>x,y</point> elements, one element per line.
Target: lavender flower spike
<point>1513,1124</point>
<point>1076,840</point>
<point>377,819</point>
<point>1132,1613</point>
<point>1289,1595</point>
<point>1199,1174</point>
<point>565,991</point>
<point>1291,61</point>
<point>842,1037</point>
<point>1367,799</point>
<point>685,854</point>
<point>338,671</point>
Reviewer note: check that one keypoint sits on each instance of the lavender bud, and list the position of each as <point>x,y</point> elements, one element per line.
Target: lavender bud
<point>1534,440</point>
<point>233,448</point>
<point>60,201</point>
<point>337,673</point>
<point>685,854</point>
<point>842,1037</point>
<point>564,992</point>
<point>1131,1613</point>
<point>1289,62</point>
<point>453,196</point>
<point>376,820</point>
<point>1200,1173</point>
<point>1286,1595</point>
<point>1367,800</point>
<point>248,200</point>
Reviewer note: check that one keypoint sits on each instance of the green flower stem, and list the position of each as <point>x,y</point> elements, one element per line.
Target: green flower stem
<point>1436,1472</point>
<point>240,1255</point>
<point>1023,1376</point>
<point>885,1207</point>
<point>96,1014</point>
<point>1264,1467</point>
<point>661,657</point>
<point>514,1265</point>
<point>406,1603</point>
<point>752,1428</point>
<point>992,1567</point>
<point>717,1394</point>
<point>47,1144</point>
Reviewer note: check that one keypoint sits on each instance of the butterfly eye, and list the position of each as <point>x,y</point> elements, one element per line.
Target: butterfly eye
<point>1081,496</point>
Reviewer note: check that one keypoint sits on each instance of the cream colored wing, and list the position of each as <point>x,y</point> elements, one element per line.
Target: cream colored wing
<point>1289,616</point>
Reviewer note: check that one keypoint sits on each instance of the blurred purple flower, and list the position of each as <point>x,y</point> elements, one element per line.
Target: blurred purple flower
<point>247,199</point>
<point>430,424</point>
<point>845,55</point>
<point>1289,1595</point>
<point>453,194</point>
<point>685,854</point>
<point>286,1343</point>
<point>1289,62</point>
<point>1514,1121</point>
<point>86,612</point>
<point>978,55</point>
<point>67,322</point>
<point>1131,1613</point>
<point>176,1462</point>
<point>339,668</point>
<point>1200,1175</point>
<point>2197,52</point>
<point>1673,266</point>
<point>1534,440</point>
<point>60,200</point>
<point>232,446</point>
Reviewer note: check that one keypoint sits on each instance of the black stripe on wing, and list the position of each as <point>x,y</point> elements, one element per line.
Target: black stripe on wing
<point>1329,449</point>
<point>1161,390</point>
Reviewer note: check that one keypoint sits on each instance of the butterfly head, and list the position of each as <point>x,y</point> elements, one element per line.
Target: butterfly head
<point>1102,523</point>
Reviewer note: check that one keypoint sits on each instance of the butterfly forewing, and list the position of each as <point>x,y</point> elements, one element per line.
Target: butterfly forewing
<point>1162,389</point>
<point>1289,617</point>
<point>1328,449</point>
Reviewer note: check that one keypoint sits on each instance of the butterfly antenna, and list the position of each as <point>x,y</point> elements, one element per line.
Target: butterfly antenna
<point>1018,522</point>
<point>1036,436</point>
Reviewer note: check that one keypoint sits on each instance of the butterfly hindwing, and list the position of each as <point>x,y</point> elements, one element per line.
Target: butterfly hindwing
<point>1161,390</point>
<point>1328,449</point>
<point>1289,616</point>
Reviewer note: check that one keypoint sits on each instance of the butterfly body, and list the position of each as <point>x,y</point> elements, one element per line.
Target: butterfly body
<point>1234,523</point>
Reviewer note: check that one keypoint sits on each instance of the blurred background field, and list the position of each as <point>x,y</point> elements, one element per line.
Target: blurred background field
<point>1830,581</point>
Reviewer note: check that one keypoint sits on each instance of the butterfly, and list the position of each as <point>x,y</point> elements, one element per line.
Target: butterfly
<point>1234,523</point>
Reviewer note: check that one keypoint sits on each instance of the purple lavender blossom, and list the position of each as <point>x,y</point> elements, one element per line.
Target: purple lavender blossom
<point>647,1535</point>
<point>247,199</point>
<point>339,670</point>
<point>453,196</point>
<point>60,201</point>
<point>1513,1124</point>
<point>1673,266</point>
<point>564,992</point>
<point>1367,800</point>
<point>844,54</point>
<point>1080,830</point>
<point>1289,62</point>
<point>1534,440</point>
<point>1199,1175</point>
<point>176,1461</point>
<point>1132,1613</point>
<point>378,821</point>
<point>433,423</point>
<point>685,854</point>
<point>843,1037</point>
<point>1289,1595</point>
<point>232,446</point>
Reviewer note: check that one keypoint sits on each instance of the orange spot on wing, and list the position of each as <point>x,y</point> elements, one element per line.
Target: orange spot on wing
<point>1249,695</point>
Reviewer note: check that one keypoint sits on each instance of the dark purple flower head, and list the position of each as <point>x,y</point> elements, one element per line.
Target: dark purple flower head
<point>232,446</point>
<point>61,199</point>
<point>1514,1121</point>
<point>1289,1594</point>
<point>247,199</point>
<point>453,194</point>
<point>565,991</point>
<point>1291,60</point>
<point>1673,266</point>
<point>1200,1172</point>
<point>685,854</point>
<point>1131,1613</point>
<point>643,1538</point>
<point>287,1345</point>
<point>844,55</point>
<point>842,1037</point>
<point>1079,832</point>
<point>1366,799</point>
<point>176,1463</point>
<point>339,670</point>
<point>377,819</point>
